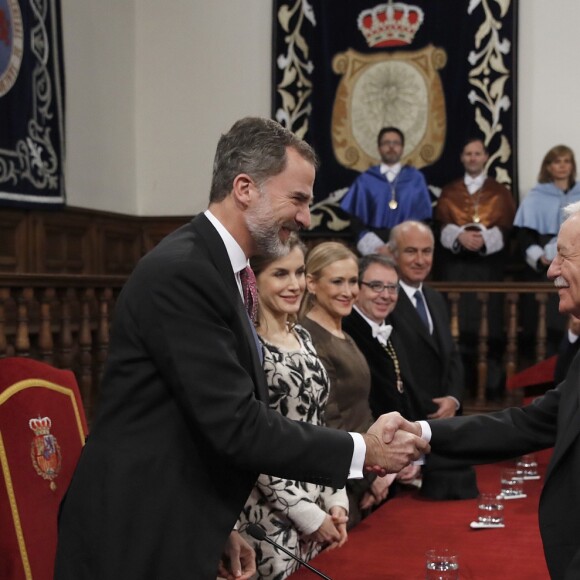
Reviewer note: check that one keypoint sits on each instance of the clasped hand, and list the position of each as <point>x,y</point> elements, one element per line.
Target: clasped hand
<point>392,443</point>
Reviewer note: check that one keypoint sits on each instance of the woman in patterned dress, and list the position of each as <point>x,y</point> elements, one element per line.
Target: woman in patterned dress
<point>303,517</point>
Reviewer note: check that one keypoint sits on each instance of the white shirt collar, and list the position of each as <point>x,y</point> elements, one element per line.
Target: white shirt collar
<point>410,290</point>
<point>236,255</point>
<point>391,171</point>
<point>382,330</point>
<point>473,184</point>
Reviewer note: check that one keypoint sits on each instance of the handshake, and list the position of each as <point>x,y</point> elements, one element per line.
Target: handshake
<point>392,443</point>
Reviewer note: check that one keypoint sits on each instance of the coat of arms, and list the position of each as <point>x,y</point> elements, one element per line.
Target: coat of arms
<point>401,89</point>
<point>45,451</point>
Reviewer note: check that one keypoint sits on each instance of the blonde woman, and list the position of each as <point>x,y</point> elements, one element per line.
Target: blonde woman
<point>332,285</point>
<point>303,517</point>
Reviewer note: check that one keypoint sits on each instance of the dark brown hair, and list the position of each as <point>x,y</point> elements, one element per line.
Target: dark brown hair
<point>257,147</point>
<point>550,157</point>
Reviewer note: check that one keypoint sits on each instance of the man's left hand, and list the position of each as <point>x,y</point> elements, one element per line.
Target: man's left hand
<point>447,408</point>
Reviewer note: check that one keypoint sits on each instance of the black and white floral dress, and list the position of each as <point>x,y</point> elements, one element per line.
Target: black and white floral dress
<point>287,509</point>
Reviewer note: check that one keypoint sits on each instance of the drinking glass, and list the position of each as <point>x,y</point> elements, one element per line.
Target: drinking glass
<point>441,564</point>
<point>528,465</point>
<point>512,483</point>
<point>490,509</point>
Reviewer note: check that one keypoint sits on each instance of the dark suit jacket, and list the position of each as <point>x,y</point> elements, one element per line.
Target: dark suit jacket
<point>384,396</point>
<point>568,350</point>
<point>436,364</point>
<point>437,371</point>
<point>182,430</point>
<point>551,420</point>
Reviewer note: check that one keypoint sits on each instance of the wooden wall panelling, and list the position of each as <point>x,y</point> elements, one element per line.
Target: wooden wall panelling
<point>63,243</point>
<point>13,241</point>
<point>78,241</point>
<point>155,229</point>
<point>119,243</point>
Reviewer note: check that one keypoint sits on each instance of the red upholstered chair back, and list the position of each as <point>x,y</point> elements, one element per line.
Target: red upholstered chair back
<point>534,380</point>
<point>42,432</point>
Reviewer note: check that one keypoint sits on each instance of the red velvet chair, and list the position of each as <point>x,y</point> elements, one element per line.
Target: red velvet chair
<point>535,380</point>
<point>42,432</point>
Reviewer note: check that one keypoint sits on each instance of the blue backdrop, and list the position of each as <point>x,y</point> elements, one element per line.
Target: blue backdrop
<point>31,104</point>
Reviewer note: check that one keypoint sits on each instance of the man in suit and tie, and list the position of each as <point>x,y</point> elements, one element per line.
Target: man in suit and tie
<point>183,427</point>
<point>551,420</point>
<point>421,322</point>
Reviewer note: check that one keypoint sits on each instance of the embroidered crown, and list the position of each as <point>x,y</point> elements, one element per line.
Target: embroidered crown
<point>390,24</point>
<point>40,426</point>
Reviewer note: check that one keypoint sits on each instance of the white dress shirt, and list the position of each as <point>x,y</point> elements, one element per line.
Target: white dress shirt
<point>381,332</point>
<point>390,172</point>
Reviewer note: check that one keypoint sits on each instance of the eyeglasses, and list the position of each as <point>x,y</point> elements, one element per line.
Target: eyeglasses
<point>379,287</point>
<point>390,143</point>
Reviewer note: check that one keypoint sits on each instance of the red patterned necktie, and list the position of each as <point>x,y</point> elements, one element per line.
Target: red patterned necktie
<point>250,292</point>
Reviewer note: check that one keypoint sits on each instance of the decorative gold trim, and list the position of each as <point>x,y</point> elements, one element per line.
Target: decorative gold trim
<point>14,510</point>
<point>430,140</point>
<point>5,396</point>
<point>295,88</point>
<point>488,78</point>
<point>31,383</point>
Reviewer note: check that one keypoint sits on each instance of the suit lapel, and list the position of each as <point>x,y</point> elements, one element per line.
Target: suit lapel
<point>219,256</point>
<point>364,330</point>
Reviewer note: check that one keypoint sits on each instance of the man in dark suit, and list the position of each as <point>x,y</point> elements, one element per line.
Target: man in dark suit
<point>392,386</point>
<point>369,326</point>
<point>568,349</point>
<point>183,427</point>
<point>552,420</point>
<point>421,322</point>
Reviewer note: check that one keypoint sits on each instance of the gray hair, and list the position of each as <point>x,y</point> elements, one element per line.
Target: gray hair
<point>572,209</point>
<point>395,233</point>
<point>257,147</point>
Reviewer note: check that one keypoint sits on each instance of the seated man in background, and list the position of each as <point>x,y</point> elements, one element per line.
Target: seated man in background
<point>391,382</point>
<point>421,322</point>
<point>369,326</point>
<point>386,195</point>
<point>475,215</point>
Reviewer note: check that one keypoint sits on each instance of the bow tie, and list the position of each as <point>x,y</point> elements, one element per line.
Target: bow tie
<point>382,332</point>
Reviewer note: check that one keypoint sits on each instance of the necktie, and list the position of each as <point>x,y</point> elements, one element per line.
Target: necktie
<point>382,332</point>
<point>421,310</point>
<point>250,292</point>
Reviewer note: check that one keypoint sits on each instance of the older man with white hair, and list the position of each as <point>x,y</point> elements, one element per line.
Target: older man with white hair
<point>551,421</point>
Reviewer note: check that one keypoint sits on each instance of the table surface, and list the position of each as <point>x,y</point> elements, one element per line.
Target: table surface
<point>391,543</point>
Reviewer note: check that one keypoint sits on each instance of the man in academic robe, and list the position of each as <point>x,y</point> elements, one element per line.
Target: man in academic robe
<point>474,216</point>
<point>386,195</point>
